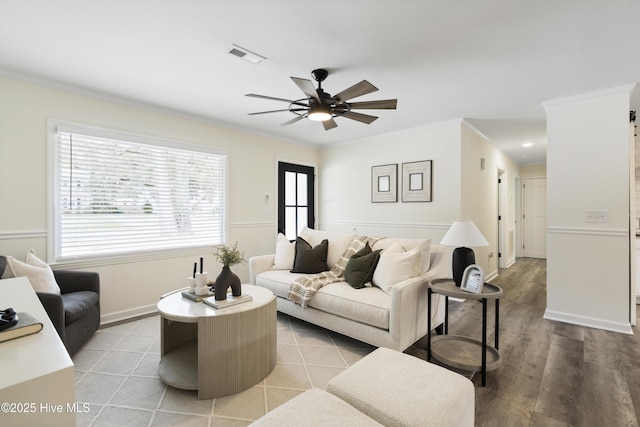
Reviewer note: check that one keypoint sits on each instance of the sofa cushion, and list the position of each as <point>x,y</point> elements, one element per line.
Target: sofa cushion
<point>360,268</point>
<point>424,246</point>
<point>396,266</point>
<point>37,271</point>
<point>76,304</point>
<point>285,253</point>
<point>310,259</point>
<point>277,281</point>
<point>368,305</point>
<point>338,242</point>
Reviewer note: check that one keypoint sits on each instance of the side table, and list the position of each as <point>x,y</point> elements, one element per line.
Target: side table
<point>217,351</point>
<point>459,351</point>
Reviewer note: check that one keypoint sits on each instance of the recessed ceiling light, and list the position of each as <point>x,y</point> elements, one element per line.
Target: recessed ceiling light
<point>527,144</point>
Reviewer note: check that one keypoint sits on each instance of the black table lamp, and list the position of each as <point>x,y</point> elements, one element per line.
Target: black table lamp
<point>463,234</point>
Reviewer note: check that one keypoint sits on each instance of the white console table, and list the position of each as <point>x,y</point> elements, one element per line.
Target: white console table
<point>37,384</point>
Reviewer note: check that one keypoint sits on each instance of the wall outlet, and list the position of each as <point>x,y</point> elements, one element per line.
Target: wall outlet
<point>597,216</point>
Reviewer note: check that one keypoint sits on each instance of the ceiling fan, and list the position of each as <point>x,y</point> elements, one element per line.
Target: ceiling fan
<point>322,107</point>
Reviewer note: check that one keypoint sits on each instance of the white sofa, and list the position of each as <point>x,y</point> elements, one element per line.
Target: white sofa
<point>393,320</point>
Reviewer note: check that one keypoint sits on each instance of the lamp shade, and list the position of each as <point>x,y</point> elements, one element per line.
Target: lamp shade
<point>464,233</point>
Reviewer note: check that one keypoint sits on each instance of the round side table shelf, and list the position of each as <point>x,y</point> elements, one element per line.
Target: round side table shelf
<point>459,351</point>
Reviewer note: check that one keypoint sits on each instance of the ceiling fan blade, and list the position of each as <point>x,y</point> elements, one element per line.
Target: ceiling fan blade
<point>267,112</point>
<point>329,124</point>
<point>358,89</point>
<point>364,118</point>
<point>253,95</point>
<point>307,87</point>
<point>384,104</point>
<point>292,121</point>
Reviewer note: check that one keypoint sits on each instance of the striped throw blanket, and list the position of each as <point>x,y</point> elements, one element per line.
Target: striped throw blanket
<point>305,287</point>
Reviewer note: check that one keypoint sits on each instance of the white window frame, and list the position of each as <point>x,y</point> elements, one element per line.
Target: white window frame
<point>53,126</point>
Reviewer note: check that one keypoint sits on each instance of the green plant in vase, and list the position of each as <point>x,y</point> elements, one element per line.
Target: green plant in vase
<point>228,256</point>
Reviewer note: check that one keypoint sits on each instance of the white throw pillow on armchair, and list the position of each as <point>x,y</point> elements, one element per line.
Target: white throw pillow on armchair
<point>37,271</point>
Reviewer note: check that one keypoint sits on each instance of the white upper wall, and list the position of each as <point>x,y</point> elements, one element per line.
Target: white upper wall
<point>345,184</point>
<point>588,170</point>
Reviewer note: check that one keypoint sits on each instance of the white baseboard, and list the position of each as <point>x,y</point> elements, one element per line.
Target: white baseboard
<point>491,276</point>
<point>591,322</point>
<point>119,316</point>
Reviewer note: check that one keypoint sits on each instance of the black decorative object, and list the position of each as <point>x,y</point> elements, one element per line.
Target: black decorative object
<point>225,279</point>
<point>461,259</point>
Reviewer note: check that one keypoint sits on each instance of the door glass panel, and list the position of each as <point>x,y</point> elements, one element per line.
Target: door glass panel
<point>290,230</point>
<point>302,189</point>
<point>290,188</point>
<point>302,218</point>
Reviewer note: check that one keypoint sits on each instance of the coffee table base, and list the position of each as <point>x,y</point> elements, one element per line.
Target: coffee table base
<point>219,355</point>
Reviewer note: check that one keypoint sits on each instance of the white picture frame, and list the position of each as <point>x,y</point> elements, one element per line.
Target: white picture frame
<point>472,279</point>
<point>384,183</point>
<point>417,181</point>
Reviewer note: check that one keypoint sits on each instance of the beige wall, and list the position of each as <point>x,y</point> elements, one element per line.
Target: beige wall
<point>480,197</point>
<point>461,190</point>
<point>533,171</point>
<point>130,288</point>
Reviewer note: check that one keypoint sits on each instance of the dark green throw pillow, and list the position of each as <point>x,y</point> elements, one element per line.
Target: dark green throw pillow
<point>360,268</point>
<point>310,260</point>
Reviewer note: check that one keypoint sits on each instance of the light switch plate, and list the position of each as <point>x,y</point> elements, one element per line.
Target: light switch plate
<point>597,216</point>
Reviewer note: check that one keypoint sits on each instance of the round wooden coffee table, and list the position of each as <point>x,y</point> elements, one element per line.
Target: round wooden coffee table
<point>217,351</point>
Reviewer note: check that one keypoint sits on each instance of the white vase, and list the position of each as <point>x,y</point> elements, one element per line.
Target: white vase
<point>191,281</point>
<point>202,287</point>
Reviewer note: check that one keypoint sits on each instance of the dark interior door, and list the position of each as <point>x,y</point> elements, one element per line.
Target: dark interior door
<point>295,198</point>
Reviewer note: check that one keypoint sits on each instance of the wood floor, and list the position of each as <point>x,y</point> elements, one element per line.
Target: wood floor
<point>552,373</point>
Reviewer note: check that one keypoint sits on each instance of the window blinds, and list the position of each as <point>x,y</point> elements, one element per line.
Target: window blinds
<point>114,196</point>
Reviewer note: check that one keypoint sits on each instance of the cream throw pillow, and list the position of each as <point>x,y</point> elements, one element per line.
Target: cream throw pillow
<point>37,271</point>
<point>396,266</point>
<point>285,253</point>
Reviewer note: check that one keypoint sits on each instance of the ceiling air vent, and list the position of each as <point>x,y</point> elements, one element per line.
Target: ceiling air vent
<point>245,54</point>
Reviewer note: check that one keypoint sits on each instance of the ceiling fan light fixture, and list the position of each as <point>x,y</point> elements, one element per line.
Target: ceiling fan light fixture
<point>319,113</point>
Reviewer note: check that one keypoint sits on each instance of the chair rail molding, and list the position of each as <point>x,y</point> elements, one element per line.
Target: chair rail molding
<point>616,232</point>
<point>23,234</point>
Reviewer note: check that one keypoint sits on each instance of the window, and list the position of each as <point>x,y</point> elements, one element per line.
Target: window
<point>116,193</point>
<point>295,199</point>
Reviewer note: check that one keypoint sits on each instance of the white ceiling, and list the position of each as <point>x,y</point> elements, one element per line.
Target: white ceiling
<point>491,62</point>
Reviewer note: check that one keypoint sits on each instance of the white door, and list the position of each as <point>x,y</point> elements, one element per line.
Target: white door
<point>534,217</point>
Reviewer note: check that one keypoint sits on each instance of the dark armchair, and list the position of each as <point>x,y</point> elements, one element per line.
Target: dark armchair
<point>75,313</point>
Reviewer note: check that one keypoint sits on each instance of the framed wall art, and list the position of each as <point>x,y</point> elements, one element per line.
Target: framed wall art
<point>416,181</point>
<point>384,183</point>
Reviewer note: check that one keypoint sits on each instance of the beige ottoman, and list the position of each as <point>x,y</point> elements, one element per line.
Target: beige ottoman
<point>396,389</point>
<point>315,407</point>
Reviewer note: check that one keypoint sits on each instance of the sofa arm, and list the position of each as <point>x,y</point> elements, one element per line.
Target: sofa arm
<point>74,281</point>
<point>408,311</point>
<point>259,264</point>
<point>54,307</point>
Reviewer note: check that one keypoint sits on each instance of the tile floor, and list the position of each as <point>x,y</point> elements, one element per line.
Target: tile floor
<point>116,374</point>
